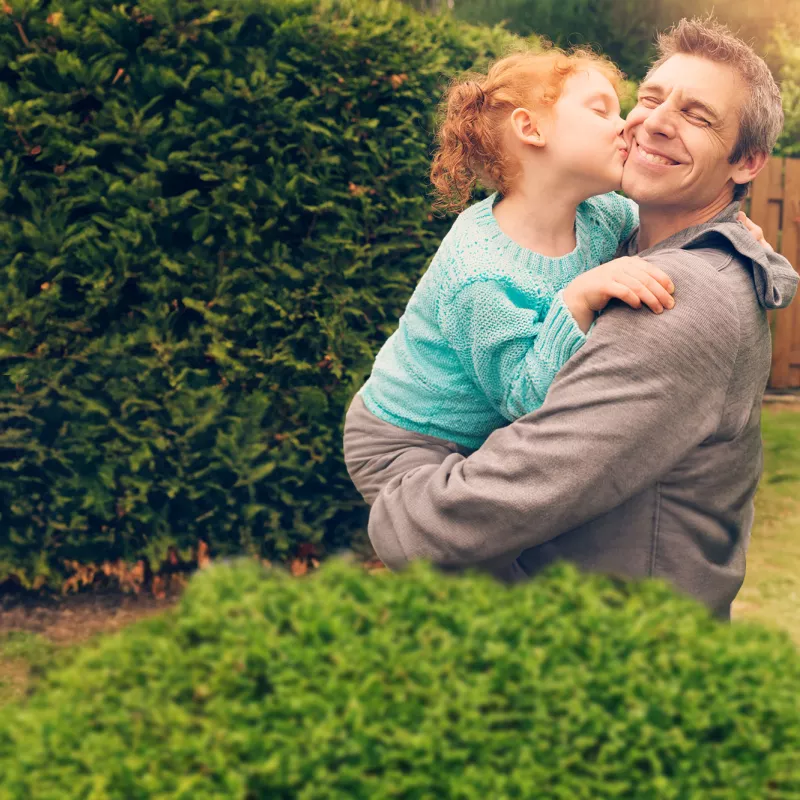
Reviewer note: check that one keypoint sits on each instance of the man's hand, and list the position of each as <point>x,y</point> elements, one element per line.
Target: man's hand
<point>630,279</point>
<point>756,232</point>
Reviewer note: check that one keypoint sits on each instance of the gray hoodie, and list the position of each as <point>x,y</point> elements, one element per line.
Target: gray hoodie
<point>644,458</point>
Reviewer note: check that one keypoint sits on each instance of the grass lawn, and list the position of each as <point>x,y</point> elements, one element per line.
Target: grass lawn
<point>770,595</point>
<point>771,591</point>
<point>22,655</point>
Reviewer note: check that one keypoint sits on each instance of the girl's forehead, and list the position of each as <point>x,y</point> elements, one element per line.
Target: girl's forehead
<point>588,84</point>
<point>589,81</point>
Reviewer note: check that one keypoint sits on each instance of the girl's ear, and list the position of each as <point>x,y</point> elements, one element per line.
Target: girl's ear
<point>525,125</point>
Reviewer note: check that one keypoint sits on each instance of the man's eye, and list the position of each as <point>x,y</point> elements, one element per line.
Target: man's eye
<point>698,119</point>
<point>650,102</point>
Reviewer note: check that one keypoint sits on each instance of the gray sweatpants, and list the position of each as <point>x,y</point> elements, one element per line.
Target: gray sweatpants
<point>375,452</point>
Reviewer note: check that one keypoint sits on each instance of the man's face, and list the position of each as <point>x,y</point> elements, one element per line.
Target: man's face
<point>681,133</point>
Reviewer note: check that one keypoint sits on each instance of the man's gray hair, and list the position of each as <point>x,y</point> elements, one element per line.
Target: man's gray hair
<point>761,117</point>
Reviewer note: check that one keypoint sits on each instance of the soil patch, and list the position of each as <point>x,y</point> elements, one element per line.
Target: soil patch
<point>76,618</point>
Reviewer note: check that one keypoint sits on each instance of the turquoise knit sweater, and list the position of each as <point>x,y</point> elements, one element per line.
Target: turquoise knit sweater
<point>486,329</point>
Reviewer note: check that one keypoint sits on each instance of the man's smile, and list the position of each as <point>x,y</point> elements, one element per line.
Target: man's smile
<point>650,156</point>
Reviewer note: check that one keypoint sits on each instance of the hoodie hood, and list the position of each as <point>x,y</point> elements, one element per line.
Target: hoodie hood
<point>774,277</point>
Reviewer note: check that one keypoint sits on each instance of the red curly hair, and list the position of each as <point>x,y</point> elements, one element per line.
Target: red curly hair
<point>476,108</point>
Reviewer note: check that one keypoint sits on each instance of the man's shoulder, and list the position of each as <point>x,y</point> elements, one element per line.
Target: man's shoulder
<point>715,277</point>
<point>702,260</point>
<point>705,317</point>
<point>700,276</point>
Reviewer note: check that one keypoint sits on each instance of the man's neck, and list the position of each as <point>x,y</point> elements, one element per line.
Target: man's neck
<point>657,223</point>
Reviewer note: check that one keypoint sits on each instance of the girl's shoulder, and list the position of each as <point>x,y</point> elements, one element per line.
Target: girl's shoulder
<point>611,211</point>
<point>608,220</point>
<point>472,245</point>
<point>475,220</point>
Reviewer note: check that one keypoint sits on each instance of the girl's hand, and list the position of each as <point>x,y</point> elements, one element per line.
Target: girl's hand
<point>630,279</point>
<point>756,232</point>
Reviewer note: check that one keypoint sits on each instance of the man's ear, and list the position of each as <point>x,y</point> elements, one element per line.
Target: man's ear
<point>747,169</point>
<point>526,127</point>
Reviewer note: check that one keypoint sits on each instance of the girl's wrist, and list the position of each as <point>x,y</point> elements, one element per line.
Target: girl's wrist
<point>581,313</point>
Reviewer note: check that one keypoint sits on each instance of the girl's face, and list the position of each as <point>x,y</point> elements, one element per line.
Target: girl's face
<point>583,135</point>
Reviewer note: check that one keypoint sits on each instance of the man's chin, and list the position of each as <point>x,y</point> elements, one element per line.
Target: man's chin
<point>639,188</point>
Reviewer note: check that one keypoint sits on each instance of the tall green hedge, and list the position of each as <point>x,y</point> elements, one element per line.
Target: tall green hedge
<point>421,685</point>
<point>212,213</point>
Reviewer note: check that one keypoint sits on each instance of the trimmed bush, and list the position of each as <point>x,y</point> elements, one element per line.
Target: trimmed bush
<point>212,215</point>
<point>417,685</point>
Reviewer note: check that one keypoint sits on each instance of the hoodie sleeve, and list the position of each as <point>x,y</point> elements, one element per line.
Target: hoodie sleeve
<point>775,279</point>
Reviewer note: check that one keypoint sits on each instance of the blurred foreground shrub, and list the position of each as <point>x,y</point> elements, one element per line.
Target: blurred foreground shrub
<point>358,686</point>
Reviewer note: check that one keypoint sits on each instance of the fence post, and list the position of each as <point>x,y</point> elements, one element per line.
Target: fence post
<point>786,341</point>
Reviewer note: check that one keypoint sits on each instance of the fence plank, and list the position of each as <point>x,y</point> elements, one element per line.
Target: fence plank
<point>775,206</point>
<point>774,172</point>
<point>791,212</point>
<point>781,376</point>
<point>772,223</point>
<point>759,199</point>
<point>786,342</point>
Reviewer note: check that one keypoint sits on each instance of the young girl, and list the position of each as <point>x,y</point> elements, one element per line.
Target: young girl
<point>515,285</point>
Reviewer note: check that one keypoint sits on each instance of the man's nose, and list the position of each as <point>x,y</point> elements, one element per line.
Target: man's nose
<point>660,120</point>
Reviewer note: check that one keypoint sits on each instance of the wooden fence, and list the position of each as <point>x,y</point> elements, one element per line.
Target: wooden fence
<point>774,204</point>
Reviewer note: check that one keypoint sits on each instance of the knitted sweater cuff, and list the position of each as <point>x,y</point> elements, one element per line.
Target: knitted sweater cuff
<point>560,337</point>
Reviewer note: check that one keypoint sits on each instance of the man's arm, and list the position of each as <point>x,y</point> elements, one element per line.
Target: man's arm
<point>636,399</point>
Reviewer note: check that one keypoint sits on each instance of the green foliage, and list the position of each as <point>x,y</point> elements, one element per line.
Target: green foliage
<point>622,29</point>
<point>785,51</point>
<point>414,685</point>
<point>625,30</point>
<point>212,214</point>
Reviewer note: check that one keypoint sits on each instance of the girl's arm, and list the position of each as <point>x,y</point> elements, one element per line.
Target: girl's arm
<point>513,348</point>
<point>510,347</point>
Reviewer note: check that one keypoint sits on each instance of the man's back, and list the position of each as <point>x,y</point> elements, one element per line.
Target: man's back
<point>692,526</point>
<point>645,456</point>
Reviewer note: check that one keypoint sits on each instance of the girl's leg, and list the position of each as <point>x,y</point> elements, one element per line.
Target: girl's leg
<point>380,455</point>
<point>376,451</point>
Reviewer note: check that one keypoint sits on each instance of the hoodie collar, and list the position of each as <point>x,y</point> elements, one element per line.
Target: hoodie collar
<point>774,277</point>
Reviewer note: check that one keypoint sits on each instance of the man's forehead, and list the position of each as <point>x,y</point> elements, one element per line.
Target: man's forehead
<point>697,78</point>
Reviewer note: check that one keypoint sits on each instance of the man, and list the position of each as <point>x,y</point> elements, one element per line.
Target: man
<point>645,457</point>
